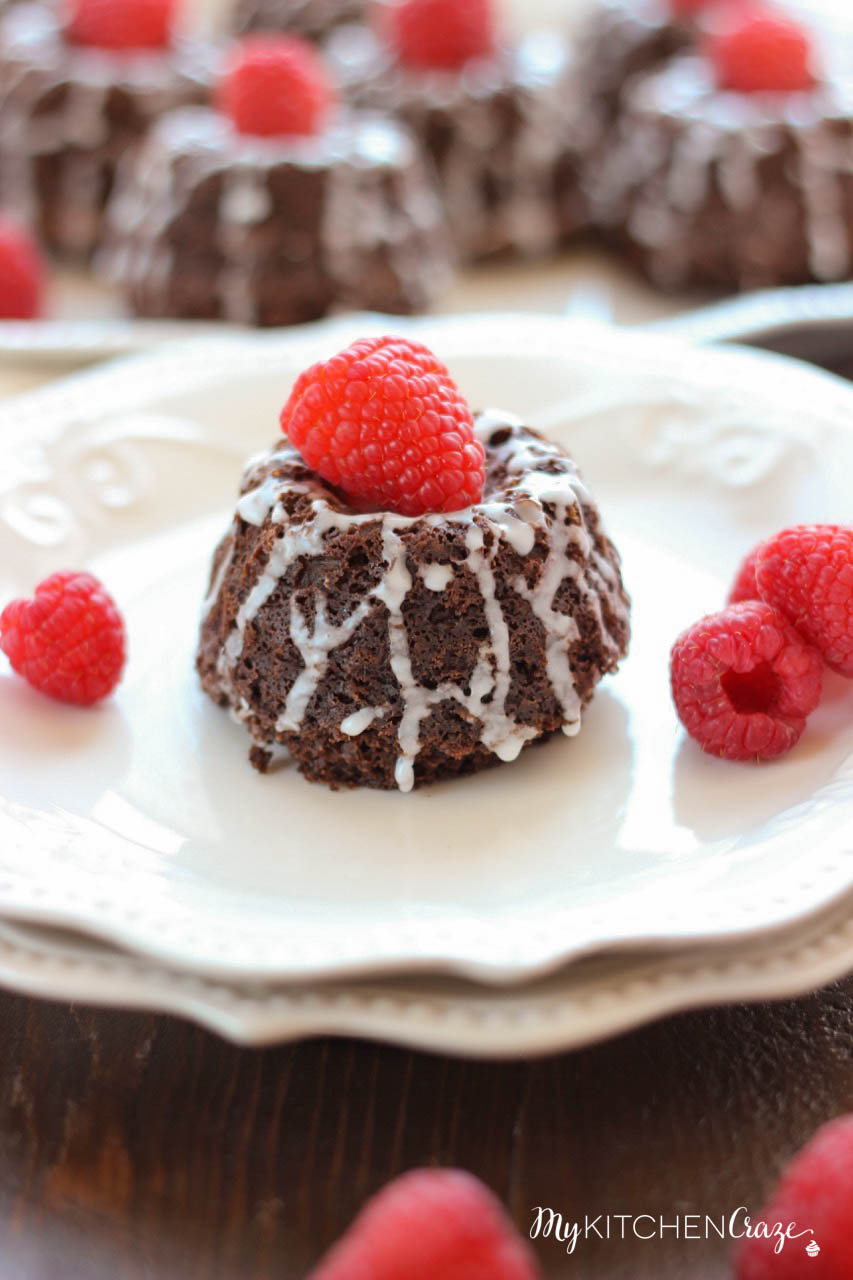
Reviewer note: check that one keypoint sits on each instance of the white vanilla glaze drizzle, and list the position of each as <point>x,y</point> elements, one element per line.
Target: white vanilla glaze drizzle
<point>437,577</point>
<point>360,720</point>
<point>542,491</point>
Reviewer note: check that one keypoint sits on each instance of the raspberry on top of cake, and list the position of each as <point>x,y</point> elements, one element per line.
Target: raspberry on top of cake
<point>408,590</point>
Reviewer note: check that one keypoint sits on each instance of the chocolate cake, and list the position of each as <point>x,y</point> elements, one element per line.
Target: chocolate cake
<point>499,129</point>
<point>313,19</point>
<point>69,113</point>
<point>389,651</point>
<point>710,187</point>
<point>208,223</point>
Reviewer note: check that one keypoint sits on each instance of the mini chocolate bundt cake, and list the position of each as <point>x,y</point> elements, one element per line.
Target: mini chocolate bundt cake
<point>728,164</point>
<point>709,187</point>
<point>499,127</point>
<point>210,224</point>
<point>278,205</point>
<point>388,651</point>
<point>70,111</point>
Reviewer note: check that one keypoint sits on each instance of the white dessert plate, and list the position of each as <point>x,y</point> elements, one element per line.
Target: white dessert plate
<point>585,1002</point>
<point>71,343</point>
<point>141,822</point>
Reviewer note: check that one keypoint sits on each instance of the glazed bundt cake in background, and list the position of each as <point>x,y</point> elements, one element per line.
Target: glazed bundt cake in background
<point>388,650</point>
<point>497,118</point>
<point>71,108</point>
<point>730,170</point>
<point>278,207</point>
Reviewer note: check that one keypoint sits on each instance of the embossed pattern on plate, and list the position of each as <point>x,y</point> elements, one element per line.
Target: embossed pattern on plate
<point>141,821</point>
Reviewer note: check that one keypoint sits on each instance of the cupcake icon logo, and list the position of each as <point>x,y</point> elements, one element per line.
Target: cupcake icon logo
<point>813,1248</point>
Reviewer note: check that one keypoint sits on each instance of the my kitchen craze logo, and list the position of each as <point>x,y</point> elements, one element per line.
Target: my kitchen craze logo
<point>549,1224</point>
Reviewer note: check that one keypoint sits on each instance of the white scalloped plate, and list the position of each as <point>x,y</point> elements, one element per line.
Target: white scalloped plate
<point>142,823</point>
<point>588,1001</point>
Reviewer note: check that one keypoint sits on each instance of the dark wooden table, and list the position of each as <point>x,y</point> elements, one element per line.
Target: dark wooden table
<point>134,1146</point>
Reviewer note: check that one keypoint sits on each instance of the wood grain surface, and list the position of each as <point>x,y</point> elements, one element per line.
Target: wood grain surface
<point>139,1147</point>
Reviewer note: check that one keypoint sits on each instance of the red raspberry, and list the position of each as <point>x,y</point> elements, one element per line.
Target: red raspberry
<point>385,422</point>
<point>22,274</point>
<point>121,24</point>
<point>745,586</point>
<point>744,681</point>
<point>68,641</point>
<point>816,1191</point>
<point>276,86</point>
<point>441,33</point>
<point>757,50</point>
<point>807,573</point>
<point>431,1224</point>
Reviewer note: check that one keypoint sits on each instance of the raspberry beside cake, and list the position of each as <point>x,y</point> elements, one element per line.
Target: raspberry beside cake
<point>70,108</point>
<point>278,207</point>
<point>498,119</point>
<point>389,650</point>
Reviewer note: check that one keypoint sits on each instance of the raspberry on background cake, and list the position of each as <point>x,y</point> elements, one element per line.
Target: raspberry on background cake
<point>729,167</point>
<point>444,597</point>
<point>79,85</point>
<point>313,19</point>
<point>277,207</point>
<point>497,118</point>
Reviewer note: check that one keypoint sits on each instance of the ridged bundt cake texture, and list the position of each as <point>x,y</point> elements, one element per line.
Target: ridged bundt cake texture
<point>387,651</point>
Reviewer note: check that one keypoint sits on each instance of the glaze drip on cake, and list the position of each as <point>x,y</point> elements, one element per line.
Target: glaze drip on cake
<point>387,650</point>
